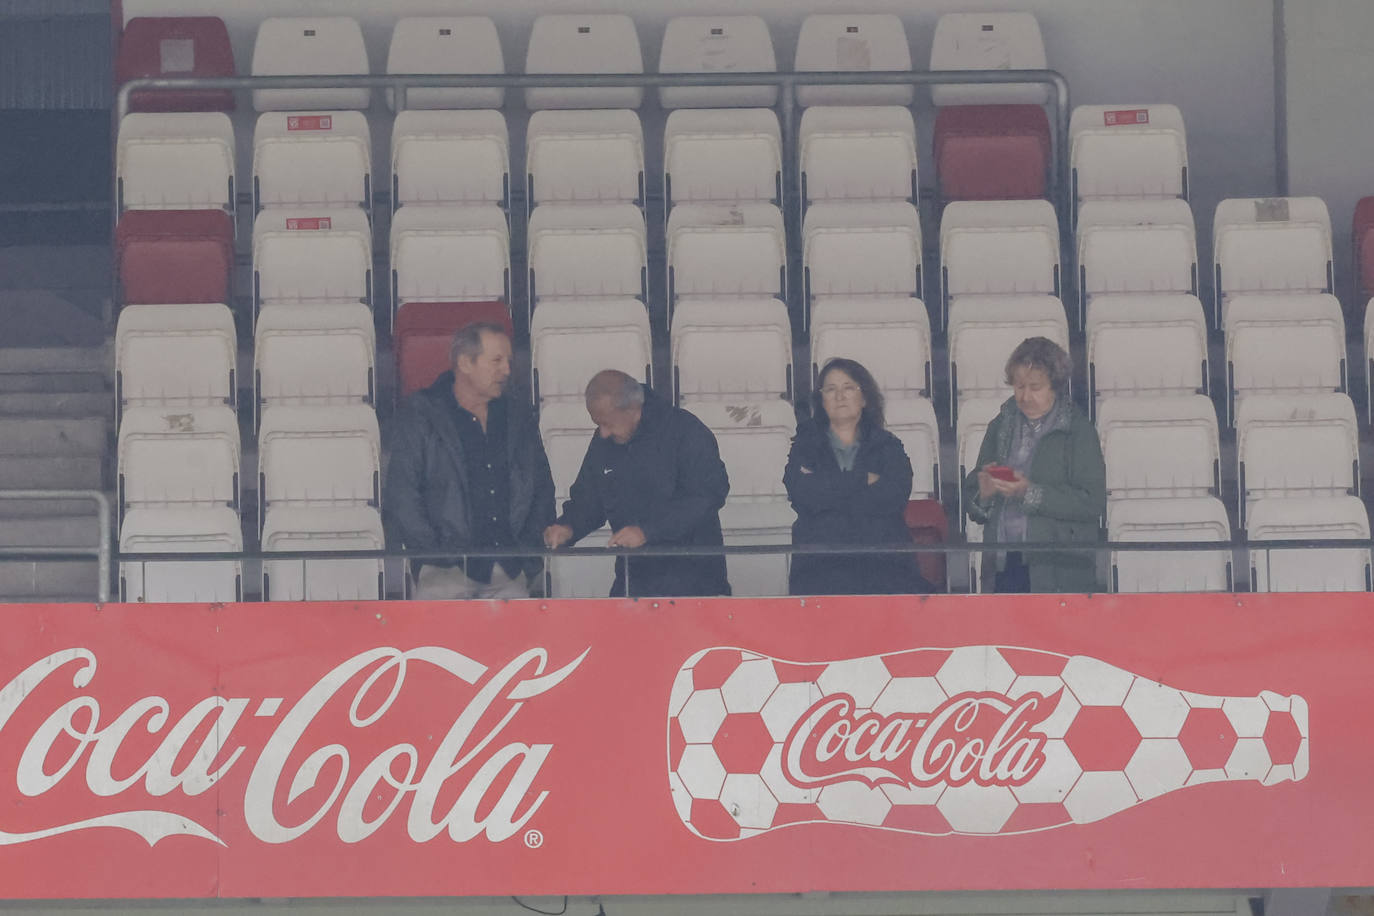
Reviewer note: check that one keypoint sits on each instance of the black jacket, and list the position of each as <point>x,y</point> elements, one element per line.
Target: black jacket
<point>842,507</point>
<point>426,500</point>
<point>669,480</point>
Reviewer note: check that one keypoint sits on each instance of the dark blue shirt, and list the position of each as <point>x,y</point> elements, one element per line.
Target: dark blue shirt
<point>485,460</point>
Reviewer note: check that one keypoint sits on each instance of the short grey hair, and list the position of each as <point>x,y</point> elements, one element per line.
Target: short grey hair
<point>1047,356</point>
<point>624,391</point>
<point>468,340</point>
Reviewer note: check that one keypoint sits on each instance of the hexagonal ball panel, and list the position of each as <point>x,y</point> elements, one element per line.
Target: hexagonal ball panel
<point>1282,737</point>
<point>854,803</point>
<point>785,707</point>
<point>861,678</point>
<point>972,808</point>
<point>710,819</point>
<point>700,771</point>
<point>748,801</point>
<point>1208,738</point>
<point>1056,776</point>
<point>1157,710</point>
<point>749,685</point>
<point>1102,738</point>
<point>782,788</point>
<point>701,715</point>
<point>1158,766</point>
<point>742,742</point>
<point>975,668</point>
<point>1249,760</point>
<point>1099,795</point>
<point>1095,682</point>
<point>714,667</point>
<point>909,694</point>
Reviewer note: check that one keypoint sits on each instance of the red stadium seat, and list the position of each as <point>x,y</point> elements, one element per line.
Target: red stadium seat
<point>925,519</point>
<point>174,256</point>
<point>423,332</point>
<point>992,152</point>
<point>1364,246</point>
<point>175,47</point>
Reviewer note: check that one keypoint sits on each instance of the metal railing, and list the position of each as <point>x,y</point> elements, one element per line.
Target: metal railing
<point>103,551</point>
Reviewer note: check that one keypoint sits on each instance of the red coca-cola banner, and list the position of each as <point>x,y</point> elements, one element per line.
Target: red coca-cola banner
<point>699,746</point>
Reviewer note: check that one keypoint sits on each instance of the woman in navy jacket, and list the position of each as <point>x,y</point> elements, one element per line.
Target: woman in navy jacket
<point>849,480</point>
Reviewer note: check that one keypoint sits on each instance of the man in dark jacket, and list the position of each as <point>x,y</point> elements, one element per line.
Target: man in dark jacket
<point>654,472</point>
<point>468,471</point>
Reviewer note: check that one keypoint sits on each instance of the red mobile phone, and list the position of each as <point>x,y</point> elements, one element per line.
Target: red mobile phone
<point>1002,472</point>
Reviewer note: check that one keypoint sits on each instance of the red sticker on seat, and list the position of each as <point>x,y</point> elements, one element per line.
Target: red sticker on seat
<point>1126,116</point>
<point>310,122</point>
<point>309,222</point>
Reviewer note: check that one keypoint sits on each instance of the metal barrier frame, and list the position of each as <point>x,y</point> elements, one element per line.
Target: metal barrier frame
<point>103,552</point>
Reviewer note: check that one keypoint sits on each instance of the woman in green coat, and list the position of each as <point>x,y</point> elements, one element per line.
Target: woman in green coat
<point>1039,478</point>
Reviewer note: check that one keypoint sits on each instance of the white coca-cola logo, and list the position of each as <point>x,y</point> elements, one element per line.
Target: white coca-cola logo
<point>985,738</point>
<point>498,793</point>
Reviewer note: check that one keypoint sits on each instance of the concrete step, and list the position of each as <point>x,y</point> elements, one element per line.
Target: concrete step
<point>50,382</point>
<point>49,531</point>
<point>19,510</point>
<point>98,403</point>
<point>46,472</point>
<point>47,578</point>
<point>56,436</point>
<point>57,360</point>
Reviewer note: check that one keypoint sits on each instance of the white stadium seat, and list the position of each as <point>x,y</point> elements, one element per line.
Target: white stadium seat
<point>309,46</point>
<point>1002,246</point>
<point>450,157</point>
<point>1284,344</point>
<point>1201,519</point>
<point>316,528</point>
<point>584,576</point>
<point>583,43</point>
<point>1296,446</point>
<point>449,254</point>
<point>983,332</point>
<point>318,456</point>
<point>974,416</point>
<point>889,335</point>
<point>988,41</point>
<point>584,157</point>
<point>179,456</point>
<point>570,342</point>
<point>446,44</point>
<point>1324,569</point>
<point>312,159</point>
<point>175,161</point>
<point>861,153</point>
<point>724,349</point>
<point>722,156</point>
<point>1271,244</point>
<point>185,529</point>
<point>861,248</point>
<point>315,354</point>
<point>175,355</point>
<point>590,250</point>
<point>1157,447</point>
<point>312,256</point>
<point>717,44</point>
<point>566,430</point>
<point>1369,358</point>
<point>848,42</point>
<point>1144,246</point>
<point>1146,345</point>
<point>737,250</point>
<point>1128,152</point>
<point>912,420</point>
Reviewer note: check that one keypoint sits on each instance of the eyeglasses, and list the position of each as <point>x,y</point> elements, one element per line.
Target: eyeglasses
<point>832,391</point>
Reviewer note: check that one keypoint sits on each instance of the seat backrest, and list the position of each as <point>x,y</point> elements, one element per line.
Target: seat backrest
<point>571,342</point>
<point>424,330</point>
<point>754,438</point>
<point>858,153</point>
<point>1146,246</point>
<point>179,456</point>
<point>181,530</point>
<point>312,159</point>
<point>739,250</point>
<point>1285,344</point>
<point>309,46</point>
<point>1272,244</point>
<point>312,256</point>
<point>176,46</point>
<point>1296,445</point>
<point>724,349</point>
<point>1326,569</point>
<point>175,355</point>
<point>174,256</point>
<point>323,353</point>
<point>322,528</point>
<point>974,415</point>
<point>567,431</point>
<point>450,254</point>
<point>1125,152</point>
<point>591,250</point>
<point>177,161</point>
<point>912,420</point>
<point>446,44</point>
<point>1146,345</point>
<point>848,42</point>
<point>717,44</point>
<point>890,336</point>
<point>984,330</point>
<point>584,157</point>
<point>1201,519</point>
<point>583,43</point>
<point>999,247</point>
<point>1160,446</point>
<point>319,456</point>
<point>722,156</point>
<point>450,157</point>
<point>858,248</point>
<point>988,41</point>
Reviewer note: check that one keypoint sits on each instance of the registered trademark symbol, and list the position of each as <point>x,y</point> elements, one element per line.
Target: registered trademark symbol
<point>534,839</point>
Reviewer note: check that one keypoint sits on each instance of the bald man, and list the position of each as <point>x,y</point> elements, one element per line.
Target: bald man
<point>653,471</point>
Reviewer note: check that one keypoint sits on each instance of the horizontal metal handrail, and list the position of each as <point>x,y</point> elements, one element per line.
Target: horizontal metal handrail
<point>102,552</point>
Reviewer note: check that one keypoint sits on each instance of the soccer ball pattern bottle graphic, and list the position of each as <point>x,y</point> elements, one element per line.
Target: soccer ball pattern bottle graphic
<point>977,740</point>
